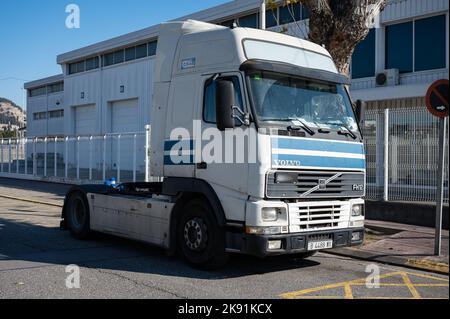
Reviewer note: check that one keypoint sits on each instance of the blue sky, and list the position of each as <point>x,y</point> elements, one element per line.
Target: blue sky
<point>33,33</point>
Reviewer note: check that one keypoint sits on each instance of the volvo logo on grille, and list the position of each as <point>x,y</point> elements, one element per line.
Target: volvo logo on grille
<point>322,184</point>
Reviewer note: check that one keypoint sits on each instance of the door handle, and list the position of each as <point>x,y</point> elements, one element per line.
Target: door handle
<point>202,165</point>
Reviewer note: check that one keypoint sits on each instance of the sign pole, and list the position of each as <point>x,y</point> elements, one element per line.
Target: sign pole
<point>440,186</point>
<point>437,102</point>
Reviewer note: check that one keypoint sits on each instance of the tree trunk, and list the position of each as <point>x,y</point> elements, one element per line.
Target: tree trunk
<point>339,25</point>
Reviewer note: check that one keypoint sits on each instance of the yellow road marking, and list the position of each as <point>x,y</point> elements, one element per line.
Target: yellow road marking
<point>410,286</point>
<point>415,285</point>
<point>427,276</point>
<point>347,290</point>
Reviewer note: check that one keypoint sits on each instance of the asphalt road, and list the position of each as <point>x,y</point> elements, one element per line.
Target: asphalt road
<point>34,255</point>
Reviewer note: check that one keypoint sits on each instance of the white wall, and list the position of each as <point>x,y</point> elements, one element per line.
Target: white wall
<point>102,88</point>
<point>45,127</point>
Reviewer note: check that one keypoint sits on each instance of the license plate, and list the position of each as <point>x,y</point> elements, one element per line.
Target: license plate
<point>319,245</point>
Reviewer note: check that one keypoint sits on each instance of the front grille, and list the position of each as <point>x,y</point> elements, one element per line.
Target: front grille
<point>310,184</point>
<point>321,237</point>
<point>318,215</point>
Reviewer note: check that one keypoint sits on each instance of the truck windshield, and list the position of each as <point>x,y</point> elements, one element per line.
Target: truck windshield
<point>286,98</point>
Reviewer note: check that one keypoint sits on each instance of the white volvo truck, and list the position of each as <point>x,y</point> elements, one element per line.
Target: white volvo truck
<point>296,185</point>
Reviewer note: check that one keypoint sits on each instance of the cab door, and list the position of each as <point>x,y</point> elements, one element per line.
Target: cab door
<point>224,161</point>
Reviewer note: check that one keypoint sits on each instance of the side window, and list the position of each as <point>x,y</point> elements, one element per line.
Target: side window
<point>209,102</point>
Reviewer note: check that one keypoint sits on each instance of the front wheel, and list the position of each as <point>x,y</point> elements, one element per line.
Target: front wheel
<point>201,239</point>
<point>78,216</point>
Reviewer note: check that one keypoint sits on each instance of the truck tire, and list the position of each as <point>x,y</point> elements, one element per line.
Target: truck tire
<point>78,216</point>
<point>200,239</point>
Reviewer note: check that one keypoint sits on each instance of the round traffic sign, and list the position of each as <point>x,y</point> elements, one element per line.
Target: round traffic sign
<point>437,98</point>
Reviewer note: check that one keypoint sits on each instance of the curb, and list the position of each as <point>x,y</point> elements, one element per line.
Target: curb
<point>31,201</point>
<point>417,264</point>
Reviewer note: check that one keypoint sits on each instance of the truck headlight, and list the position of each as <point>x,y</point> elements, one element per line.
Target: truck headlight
<point>269,214</point>
<point>358,210</point>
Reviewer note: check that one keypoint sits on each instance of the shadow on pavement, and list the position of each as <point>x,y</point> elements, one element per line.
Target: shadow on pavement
<point>26,246</point>
<point>58,190</point>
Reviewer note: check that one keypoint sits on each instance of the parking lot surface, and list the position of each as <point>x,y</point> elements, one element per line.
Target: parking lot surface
<point>34,255</point>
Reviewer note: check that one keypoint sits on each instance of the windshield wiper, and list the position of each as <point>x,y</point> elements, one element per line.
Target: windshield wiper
<point>322,129</point>
<point>347,132</point>
<point>304,126</point>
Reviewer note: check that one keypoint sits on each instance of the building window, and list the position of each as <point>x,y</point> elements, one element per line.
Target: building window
<point>38,91</point>
<point>271,18</point>
<point>108,59</point>
<point>229,23</point>
<point>141,51</point>
<point>430,43</point>
<point>152,46</point>
<point>209,103</point>
<point>417,45</point>
<point>54,88</point>
<point>81,66</point>
<point>119,56</point>
<point>85,65</point>
<point>250,21</point>
<point>399,47</point>
<point>72,68</point>
<point>130,54</point>
<point>56,114</point>
<point>92,64</point>
<point>363,60</point>
<point>305,13</point>
<point>39,116</point>
<point>290,13</point>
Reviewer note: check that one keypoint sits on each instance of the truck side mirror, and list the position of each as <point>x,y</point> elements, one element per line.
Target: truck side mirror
<point>360,110</point>
<point>225,102</point>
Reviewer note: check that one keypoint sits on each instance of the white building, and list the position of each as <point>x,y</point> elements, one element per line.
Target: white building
<point>45,107</point>
<point>107,87</point>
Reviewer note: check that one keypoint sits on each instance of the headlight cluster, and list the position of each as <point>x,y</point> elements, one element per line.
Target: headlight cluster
<point>270,214</point>
<point>358,210</point>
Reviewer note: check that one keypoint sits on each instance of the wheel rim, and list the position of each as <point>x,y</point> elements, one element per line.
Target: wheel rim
<point>78,214</point>
<point>195,234</point>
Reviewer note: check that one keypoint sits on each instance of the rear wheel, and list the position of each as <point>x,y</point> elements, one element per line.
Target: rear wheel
<point>201,240</point>
<point>78,216</point>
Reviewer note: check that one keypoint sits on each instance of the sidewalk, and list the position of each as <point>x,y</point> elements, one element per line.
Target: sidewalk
<point>402,245</point>
<point>31,191</point>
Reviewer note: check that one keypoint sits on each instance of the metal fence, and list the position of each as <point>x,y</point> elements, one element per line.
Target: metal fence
<point>406,142</point>
<point>401,146</point>
<point>93,158</point>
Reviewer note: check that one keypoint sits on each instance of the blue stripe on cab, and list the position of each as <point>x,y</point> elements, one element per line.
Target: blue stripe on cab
<point>315,145</point>
<point>181,145</point>
<point>186,145</point>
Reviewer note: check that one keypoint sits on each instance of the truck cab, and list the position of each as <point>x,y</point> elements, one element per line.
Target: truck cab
<point>255,139</point>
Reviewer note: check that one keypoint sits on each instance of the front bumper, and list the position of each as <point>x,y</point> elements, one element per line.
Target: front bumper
<point>258,245</point>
